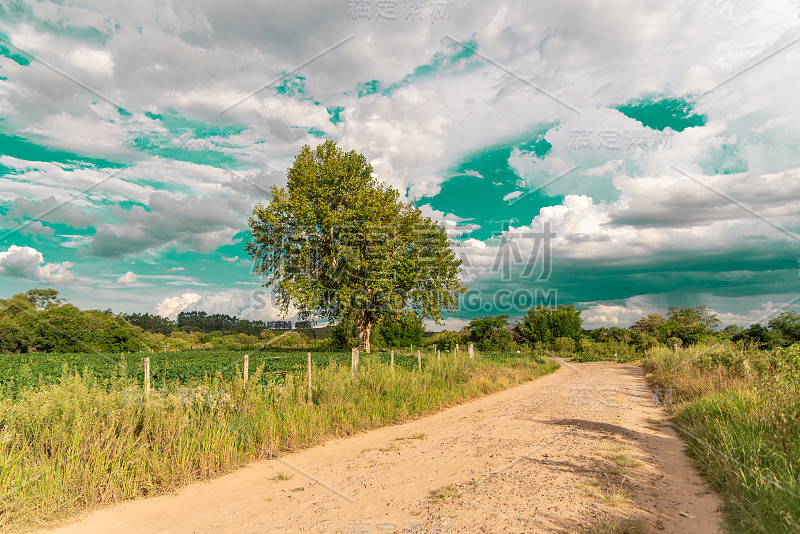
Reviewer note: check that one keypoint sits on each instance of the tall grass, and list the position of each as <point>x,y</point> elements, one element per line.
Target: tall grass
<point>83,442</point>
<point>738,409</point>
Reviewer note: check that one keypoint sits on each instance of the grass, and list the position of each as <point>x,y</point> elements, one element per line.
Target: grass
<point>446,493</point>
<point>282,476</point>
<point>618,526</point>
<point>738,409</point>
<point>84,441</point>
<point>608,493</point>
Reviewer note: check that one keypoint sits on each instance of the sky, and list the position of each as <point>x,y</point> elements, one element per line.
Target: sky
<point>623,157</point>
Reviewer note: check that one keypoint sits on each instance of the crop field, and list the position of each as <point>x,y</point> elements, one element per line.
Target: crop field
<point>20,371</point>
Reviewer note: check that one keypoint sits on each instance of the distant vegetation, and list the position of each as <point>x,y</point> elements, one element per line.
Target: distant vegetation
<point>40,321</point>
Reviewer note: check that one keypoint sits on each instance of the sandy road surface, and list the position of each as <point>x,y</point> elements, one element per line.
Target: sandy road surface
<point>535,458</point>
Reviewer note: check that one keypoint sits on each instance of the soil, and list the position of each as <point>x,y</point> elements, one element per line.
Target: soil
<point>587,445</point>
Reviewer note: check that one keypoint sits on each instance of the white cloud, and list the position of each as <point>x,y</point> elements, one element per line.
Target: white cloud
<point>170,307</point>
<point>258,304</point>
<point>127,279</point>
<point>27,262</point>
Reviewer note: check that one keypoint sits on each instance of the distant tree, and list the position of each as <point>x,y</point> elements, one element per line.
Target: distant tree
<point>611,333</point>
<point>490,333</point>
<point>648,325</point>
<point>690,325</point>
<point>337,244</point>
<point>787,325</point>
<point>545,324</point>
<point>445,340</point>
<point>151,323</point>
<point>403,331</point>
<point>732,331</point>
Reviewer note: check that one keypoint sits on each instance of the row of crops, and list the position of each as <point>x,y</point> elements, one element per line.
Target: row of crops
<point>18,371</point>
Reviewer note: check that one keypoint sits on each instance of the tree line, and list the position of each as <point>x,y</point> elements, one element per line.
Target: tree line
<point>40,321</point>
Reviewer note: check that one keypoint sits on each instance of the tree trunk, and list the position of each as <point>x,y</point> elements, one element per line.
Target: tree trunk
<point>363,335</point>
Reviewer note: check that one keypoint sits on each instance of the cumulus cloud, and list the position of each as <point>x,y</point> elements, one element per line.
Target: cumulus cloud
<point>201,224</point>
<point>170,307</point>
<point>127,279</point>
<point>258,304</point>
<point>28,263</point>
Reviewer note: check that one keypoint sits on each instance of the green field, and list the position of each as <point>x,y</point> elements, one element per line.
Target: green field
<point>34,370</point>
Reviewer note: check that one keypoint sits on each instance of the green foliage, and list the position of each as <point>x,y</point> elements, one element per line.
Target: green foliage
<point>445,340</point>
<point>564,344</point>
<point>613,333</point>
<point>648,325</point>
<point>491,333</point>
<point>401,332</point>
<point>690,325</point>
<point>544,324</point>
<point>12,337</point>
<point>336,243</point>
<point>787,325</point>
<point>738,408</point>
<point>151,323</point>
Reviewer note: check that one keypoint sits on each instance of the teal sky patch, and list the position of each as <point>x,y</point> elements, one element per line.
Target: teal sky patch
<point>660,113</point>
<point>189,140</point>
<point>22,148</point>
<point>476,186</point>
<point>12,53</point>
<point>335,113</point>
<point>440,62</point>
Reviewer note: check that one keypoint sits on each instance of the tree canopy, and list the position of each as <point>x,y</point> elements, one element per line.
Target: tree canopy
<point>548,323</point>
<point>335,243</point>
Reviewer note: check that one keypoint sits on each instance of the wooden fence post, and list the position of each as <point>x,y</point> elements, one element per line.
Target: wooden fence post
<point>246,369</point>
<point>391,364</point>
<point>419,359</point>
<point>147,379</point>
<point>309,377</point>
<point>471,351</point>
<point>353,362</point>
<point>456,352</point>
<point>438,355</point>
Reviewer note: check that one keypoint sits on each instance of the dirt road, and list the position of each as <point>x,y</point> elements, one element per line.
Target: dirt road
<point>561,454</point>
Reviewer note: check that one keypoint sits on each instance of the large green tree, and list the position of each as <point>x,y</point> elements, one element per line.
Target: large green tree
<point>545,324</point>
<point>337,244</point>
<point>490,333</point>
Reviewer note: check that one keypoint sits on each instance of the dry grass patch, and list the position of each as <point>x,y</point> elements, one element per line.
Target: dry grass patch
<point>418,435</point>
<point>446,493</point>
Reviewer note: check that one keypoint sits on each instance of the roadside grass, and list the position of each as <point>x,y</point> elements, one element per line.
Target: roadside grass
<point>82,441</point>
<point>608,492</point>
<point>738,409</point>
